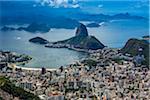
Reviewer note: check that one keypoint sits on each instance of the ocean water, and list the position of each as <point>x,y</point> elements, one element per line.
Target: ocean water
<point>42,57</point>
<point>113,34</point>
<point>116,33</point>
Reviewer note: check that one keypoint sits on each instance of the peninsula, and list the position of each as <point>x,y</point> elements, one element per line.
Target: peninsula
<point>81,41</point>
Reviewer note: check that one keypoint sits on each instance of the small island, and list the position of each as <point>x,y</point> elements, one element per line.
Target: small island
<point>146,37</point>
<point>38,40</point>
<point>91,25</point>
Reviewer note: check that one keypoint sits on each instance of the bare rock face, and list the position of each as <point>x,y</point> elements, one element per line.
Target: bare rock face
<point>81,30</point>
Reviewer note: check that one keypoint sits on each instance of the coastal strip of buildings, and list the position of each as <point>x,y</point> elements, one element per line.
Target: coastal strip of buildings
<point>106,80</point>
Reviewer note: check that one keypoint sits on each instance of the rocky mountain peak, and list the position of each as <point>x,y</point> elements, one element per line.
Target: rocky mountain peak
<point>81,30</point>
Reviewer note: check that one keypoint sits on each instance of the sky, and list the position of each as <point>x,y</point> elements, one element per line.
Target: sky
<point>60,3</point>
<point>97,5</point>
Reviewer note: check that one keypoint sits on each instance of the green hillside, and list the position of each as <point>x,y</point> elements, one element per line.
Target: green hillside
<point>10,88</point>
<point>132,47</point>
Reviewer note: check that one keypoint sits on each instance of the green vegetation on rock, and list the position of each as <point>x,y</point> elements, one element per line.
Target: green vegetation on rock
<point>89,42</point>
<point>132,47</point>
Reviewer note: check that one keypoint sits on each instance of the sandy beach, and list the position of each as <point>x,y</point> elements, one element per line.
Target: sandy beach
<point>33,69</point>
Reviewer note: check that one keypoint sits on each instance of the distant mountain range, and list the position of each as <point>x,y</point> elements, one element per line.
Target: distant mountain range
<point>104,18</point>
<point>44,23</point>
<point>33,28</point>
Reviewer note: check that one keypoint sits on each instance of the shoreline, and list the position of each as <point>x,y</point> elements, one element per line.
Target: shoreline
<point>34,69</point>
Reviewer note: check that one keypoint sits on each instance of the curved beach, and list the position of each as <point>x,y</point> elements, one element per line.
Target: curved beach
<point>30,68</point>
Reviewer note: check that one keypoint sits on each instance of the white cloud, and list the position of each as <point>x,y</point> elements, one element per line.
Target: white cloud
<point>60,3</point>
<point>141,4</point>
<point>34,5</point>
<point>76,6</point>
